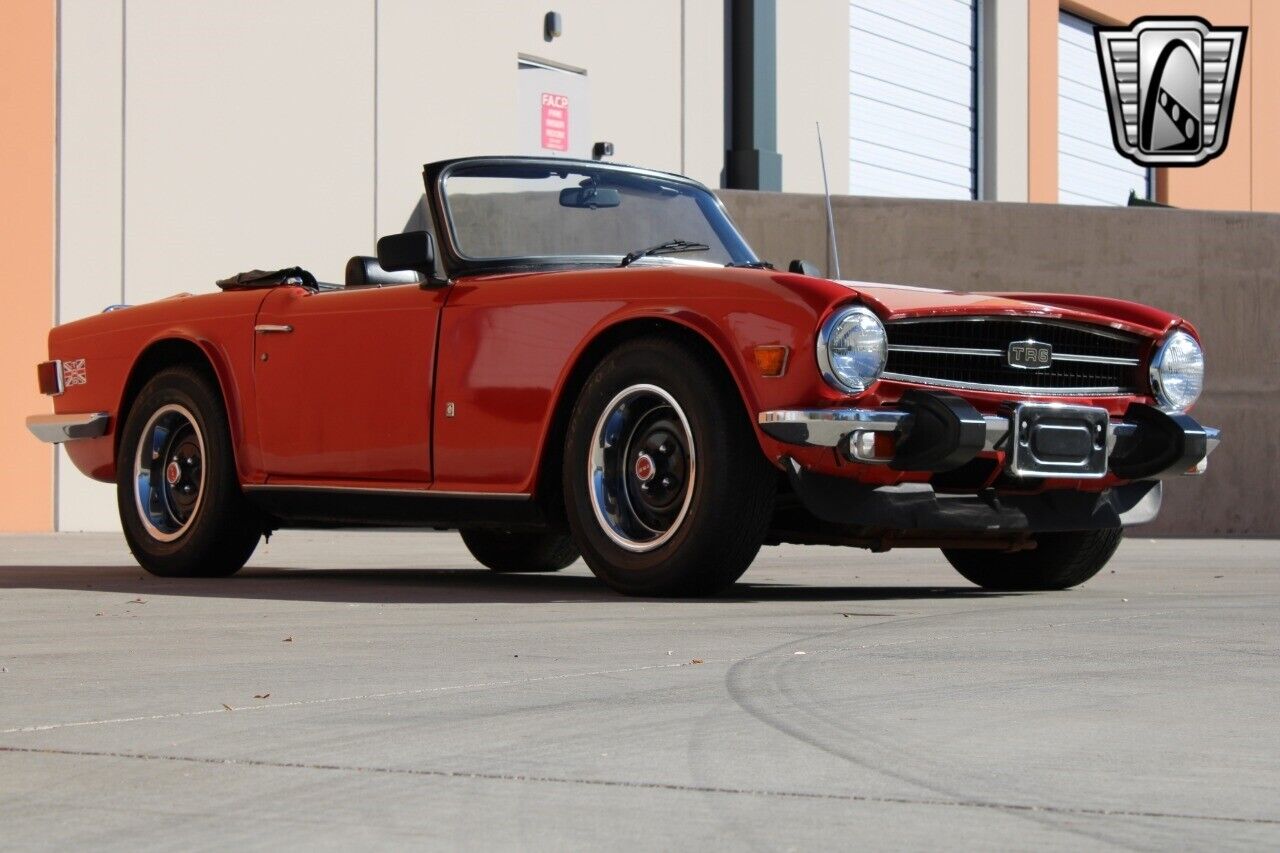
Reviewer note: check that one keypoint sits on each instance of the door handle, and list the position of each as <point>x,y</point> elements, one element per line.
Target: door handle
<point>269,329</point>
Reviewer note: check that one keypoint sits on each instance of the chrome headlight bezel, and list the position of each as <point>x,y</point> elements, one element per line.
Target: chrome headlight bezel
<point>832,327</point>
<point>1173,401</point>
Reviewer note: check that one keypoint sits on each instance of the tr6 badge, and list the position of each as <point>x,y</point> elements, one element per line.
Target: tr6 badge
<point>1171,86</point>
<point>1029,355</point>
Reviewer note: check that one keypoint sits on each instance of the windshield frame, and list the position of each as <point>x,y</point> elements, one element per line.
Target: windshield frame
<point>457,263</point>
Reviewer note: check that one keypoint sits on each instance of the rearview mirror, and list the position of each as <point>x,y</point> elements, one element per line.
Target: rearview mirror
<point>412,250</point>
<point>589,196</point>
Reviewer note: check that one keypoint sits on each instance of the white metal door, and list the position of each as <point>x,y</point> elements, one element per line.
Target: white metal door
<point>1090,170</point>
<point>912,103</point>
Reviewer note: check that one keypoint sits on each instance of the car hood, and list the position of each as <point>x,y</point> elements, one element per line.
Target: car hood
<point>897,301</point>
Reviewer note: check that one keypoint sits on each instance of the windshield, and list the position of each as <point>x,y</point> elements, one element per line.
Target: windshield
<point>579,213</point>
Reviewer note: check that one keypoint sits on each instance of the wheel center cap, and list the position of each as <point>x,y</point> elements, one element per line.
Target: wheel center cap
<point>172,473</point>
<point>644,468</point>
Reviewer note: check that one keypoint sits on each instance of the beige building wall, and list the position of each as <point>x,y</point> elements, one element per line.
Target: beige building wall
<point>200,139</point>
<point>91,208</point>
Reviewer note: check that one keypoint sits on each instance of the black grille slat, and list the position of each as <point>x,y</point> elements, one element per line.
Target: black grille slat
<point>996,333</point>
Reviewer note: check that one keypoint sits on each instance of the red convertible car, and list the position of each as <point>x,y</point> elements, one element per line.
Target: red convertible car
<point>579,358</point>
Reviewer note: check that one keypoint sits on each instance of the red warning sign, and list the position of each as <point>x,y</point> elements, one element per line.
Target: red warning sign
<point>555,122</point>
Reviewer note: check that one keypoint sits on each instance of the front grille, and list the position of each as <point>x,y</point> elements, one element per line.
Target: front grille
<point>970,352</point>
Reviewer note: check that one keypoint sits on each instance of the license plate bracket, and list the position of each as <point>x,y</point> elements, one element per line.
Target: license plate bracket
<point>1058,441</point>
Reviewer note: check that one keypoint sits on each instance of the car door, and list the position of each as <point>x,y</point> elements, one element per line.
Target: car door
<point>344,382</point>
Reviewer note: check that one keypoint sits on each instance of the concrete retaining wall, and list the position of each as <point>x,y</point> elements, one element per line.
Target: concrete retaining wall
<point>1219,270</point>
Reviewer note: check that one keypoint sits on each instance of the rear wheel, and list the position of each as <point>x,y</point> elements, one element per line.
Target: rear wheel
<point>666,488</point>
<point>181,506</point>
<point>1059,561</point>
<point>503,551</point>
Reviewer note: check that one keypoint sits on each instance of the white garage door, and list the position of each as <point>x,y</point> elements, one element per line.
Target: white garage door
<point>911,98</point>
<point>1090,170</point>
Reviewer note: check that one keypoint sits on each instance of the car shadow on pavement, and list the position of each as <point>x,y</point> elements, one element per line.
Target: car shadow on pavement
<point>423,586</point>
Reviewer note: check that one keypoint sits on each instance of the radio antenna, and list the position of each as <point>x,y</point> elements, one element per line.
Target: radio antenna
<point>831,219</point>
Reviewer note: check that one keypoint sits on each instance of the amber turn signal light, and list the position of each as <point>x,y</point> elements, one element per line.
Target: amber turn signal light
<point>771,360</point>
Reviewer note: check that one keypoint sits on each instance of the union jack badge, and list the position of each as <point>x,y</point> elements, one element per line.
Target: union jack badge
<point>74,373</point>
<point>1171,86</point>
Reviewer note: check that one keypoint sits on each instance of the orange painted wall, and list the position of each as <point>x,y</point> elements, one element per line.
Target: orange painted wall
<point>28,44</point>
<point>1244,177</point>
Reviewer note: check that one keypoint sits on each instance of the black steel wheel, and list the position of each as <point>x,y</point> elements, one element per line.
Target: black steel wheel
<point>1059,561</point>
<point>666,488</point>
<point>516,551</point>
<point>643,467</point>
<point>181,506</point>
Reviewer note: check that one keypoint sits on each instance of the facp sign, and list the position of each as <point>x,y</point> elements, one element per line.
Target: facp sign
<point>555,122</point>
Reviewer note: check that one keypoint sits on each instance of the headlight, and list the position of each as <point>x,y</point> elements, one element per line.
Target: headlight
<point>1177,372</point>
<point>851,349</point>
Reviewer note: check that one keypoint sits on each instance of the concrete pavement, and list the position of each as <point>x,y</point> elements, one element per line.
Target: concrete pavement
<point>385,691</point>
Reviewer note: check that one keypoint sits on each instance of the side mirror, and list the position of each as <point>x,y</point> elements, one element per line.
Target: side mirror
<point>804,268</point>
<point>412,250</point>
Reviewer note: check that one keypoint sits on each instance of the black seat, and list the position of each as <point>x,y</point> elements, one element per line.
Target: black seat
<point>362,270</point>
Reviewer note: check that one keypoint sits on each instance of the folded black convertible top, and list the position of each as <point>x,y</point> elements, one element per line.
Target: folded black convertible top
<point>255,279</point>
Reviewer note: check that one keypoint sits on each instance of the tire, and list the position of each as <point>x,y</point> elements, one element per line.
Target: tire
<point>503,551</point>
<point>690,518</point>
<point>197,521</point>
<point>1059,561</point>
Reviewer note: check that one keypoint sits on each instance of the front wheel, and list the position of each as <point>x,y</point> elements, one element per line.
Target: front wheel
<point>666,488</point>
<point>1059,561</point>
<point>181,506</point>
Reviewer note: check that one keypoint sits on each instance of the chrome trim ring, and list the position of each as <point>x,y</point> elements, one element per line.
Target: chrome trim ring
<point>168,472</point>
<point>824,353</point>
<point>629,511</point>
<point>1155,372</point>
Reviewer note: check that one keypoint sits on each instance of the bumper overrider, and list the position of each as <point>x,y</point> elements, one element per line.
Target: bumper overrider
<point>55,429</point>
<point>937,431</point>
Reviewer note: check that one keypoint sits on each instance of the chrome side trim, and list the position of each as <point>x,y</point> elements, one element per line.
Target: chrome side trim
<point>55,429</point>
<point>1009,389</point>
<point>268,328</point>
<point>383,490</point>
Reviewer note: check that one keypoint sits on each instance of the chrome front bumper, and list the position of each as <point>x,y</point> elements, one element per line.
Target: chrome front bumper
<point>55,429</point>
<point>846,429</point>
